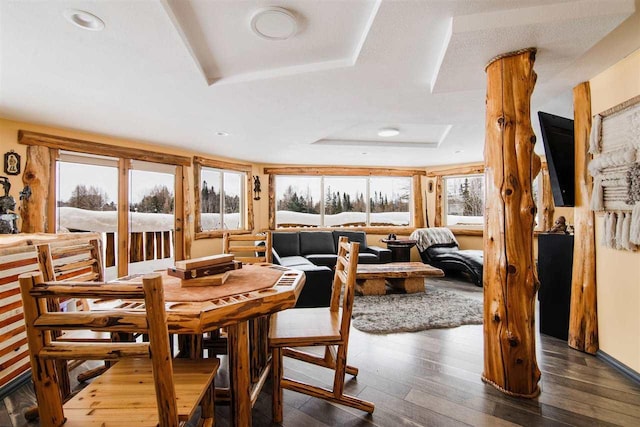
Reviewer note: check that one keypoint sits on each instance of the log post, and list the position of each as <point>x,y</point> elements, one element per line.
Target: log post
<point>33,211</point>
<point>583,321</point>
<point>510,281</point>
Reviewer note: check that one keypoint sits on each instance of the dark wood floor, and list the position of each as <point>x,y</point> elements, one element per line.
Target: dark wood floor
<point>432,378</point>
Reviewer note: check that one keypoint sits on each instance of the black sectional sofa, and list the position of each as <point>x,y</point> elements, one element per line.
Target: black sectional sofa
<point>314,252</point>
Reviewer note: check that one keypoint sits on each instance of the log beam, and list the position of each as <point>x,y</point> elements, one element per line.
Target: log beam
<point>510,280</point>
<point>583,320</point>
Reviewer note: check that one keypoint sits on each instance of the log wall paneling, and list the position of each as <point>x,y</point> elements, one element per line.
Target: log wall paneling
<point>123,217</point>
<point>548,208</point>
<point>14,350</point>
<point>17,256</point>
<point>343,171</point>
<point>583,319</point>
<point>510,282</point>
<point>33,212</point>
<point>51,201</point>
<point>101,149</point>
<point>418,205</point>
<point>180,206</point>
<point>186,237</point>
<point>272,201</point>
<point>437,221</point>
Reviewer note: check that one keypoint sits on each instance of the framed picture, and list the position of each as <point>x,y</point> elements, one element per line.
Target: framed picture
<point>11,163</point>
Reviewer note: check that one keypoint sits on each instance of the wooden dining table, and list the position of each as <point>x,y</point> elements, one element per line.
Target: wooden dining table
<point>254,290</point>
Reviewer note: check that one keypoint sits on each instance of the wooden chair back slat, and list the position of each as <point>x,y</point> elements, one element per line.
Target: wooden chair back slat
<point>258,251</point>
<point>94,351</point>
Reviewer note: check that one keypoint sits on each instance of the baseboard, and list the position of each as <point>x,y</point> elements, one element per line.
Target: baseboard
<point>627,371</point>
<point>15,384</point>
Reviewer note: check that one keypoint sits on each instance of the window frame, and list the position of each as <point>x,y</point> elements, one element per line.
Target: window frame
<point>415,204</point>
<point>55,144</point>
<point>247,205</point>
<point>544,203</point>
<point>445,198</point>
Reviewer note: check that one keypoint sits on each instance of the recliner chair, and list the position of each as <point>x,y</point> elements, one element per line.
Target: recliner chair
<point>438,247</point>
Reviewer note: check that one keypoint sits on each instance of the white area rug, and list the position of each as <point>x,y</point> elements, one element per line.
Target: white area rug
<point>435,308</point>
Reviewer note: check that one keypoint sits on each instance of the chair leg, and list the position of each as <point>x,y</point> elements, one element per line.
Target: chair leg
<point>276,379</point>
<point>207,415</point>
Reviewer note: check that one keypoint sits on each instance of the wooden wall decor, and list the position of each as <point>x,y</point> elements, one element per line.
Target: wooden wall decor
<point>583,319</point>
<point>510,280</point>
<point>33,211</point>
<point>616,169</point>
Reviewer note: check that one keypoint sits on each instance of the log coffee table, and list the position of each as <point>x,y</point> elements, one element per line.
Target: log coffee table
<point>408,276</point>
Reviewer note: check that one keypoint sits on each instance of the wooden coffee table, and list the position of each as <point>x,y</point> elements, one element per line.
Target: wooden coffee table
<point>371,279</point>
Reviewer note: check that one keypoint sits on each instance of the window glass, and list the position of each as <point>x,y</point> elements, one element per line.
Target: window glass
<point>389,201</point>
<point>332,201</point>
<point>222,195</point>
<point>151,216</point>
<point>345,201</point>
<point>298,201</point>
<point>464,204</point>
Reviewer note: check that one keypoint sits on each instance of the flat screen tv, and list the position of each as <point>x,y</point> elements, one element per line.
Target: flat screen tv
<point>557,136</point>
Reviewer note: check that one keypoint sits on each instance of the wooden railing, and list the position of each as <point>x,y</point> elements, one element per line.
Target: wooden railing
<point>143,246</point>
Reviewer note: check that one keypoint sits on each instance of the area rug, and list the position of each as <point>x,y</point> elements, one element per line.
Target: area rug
<point>435,308</point>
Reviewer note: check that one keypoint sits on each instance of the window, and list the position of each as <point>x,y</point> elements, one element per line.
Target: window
<point>342,201</point>
<point>222,195</point>
<point>464,201</point>
<point>463,192</point>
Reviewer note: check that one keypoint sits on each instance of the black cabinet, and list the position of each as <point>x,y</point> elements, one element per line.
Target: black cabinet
<point>555,261</point>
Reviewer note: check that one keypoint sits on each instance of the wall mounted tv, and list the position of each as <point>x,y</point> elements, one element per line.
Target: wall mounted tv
<point>557,136</point>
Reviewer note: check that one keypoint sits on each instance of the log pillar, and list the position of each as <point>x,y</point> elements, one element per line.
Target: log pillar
<point>583,321</point>
<point>510,280</point>
<point>33,211</point>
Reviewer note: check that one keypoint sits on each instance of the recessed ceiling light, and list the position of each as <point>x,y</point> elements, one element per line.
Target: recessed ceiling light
<point>274,23</point>
<point>386,132</point>
<point>84,20</point>
<point>458,151</point>
<point>222,133</point>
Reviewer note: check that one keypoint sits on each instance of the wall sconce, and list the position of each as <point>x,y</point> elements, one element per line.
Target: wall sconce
<point>256,187</point>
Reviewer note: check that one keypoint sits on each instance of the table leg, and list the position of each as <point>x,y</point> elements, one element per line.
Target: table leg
<point>409,285</point>
<point>371,287</point>
<point>239,374</point>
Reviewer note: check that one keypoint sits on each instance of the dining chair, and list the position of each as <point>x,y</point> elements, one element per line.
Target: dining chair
<point>79,261</point>
<point>145,387</point>
<point>322,326</point>
<point>248,248</point>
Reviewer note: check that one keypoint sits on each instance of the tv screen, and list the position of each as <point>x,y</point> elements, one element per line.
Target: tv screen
<point>557,136</point>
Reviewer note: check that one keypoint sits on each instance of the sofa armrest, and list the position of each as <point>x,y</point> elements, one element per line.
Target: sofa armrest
<point>383,254</point>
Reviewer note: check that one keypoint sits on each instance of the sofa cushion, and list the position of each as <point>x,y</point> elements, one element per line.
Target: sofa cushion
<point>353,236</point>
<point>293,261</point>
<point>286,243</point>
<point>317,242</point>
<point>328,260</point>
<point>367,258</point>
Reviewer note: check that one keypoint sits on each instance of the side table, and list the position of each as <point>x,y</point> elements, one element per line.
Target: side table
<point>400,249</point>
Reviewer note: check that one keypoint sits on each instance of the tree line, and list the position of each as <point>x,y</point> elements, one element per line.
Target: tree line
<point>336,202</point>
<point>210,200</point>
<point>158,200</point>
